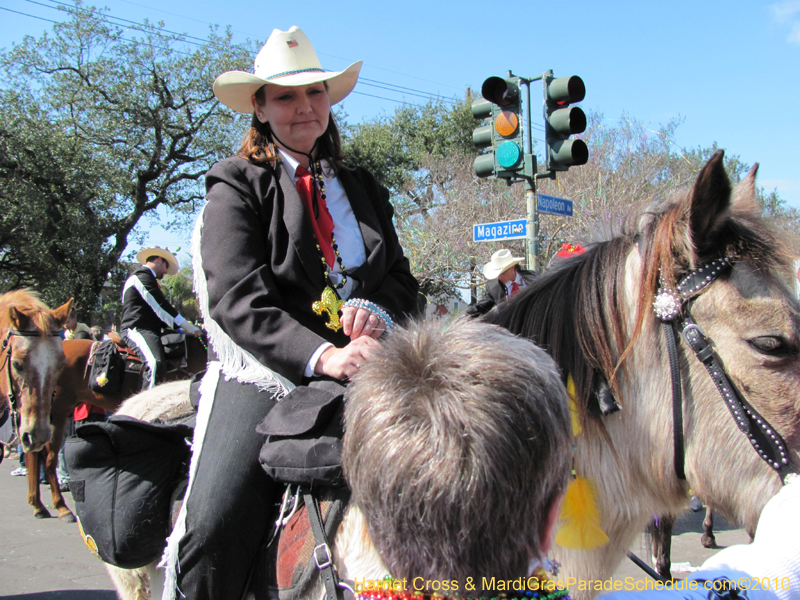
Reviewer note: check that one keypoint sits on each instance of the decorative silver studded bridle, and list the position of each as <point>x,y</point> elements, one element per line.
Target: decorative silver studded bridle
<point>672,309</point>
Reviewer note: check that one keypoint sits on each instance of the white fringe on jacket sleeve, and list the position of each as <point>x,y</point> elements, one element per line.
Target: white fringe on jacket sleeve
<point>236,362</point>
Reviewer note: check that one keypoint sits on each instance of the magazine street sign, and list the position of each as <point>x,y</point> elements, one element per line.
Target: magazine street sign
<point>504,230</point>
<point>555,206</point>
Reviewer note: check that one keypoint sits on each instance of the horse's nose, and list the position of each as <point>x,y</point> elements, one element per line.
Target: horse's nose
<point>34,440</point>
<point>27,441</point>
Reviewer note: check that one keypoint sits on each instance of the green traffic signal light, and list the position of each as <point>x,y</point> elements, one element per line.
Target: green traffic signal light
<point>508,155</point>
<point>562,121</point>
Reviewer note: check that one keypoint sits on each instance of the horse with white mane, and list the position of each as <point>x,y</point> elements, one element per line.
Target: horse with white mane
<point>594,316</point>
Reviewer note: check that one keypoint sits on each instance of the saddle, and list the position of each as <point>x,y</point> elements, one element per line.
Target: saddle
<point>287,565</point>
<point>304,449</point>
<point>109,362</point>
<point>127,360</point>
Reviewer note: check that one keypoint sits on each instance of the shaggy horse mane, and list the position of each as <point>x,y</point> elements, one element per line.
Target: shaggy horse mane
<point>27,302</point>
<point>576,310</point>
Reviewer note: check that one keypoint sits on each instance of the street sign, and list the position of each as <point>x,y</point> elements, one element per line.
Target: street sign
<point>555,206</point>
<point>504,230</point>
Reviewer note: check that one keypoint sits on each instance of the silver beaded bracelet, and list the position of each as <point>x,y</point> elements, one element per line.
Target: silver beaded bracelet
<point>373,308</point>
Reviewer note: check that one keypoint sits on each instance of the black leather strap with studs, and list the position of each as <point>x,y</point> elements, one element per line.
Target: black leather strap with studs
<point>769,444</point>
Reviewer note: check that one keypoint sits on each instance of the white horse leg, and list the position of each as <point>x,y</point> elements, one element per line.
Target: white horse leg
<point>157,580</point>
<point>131,584</point>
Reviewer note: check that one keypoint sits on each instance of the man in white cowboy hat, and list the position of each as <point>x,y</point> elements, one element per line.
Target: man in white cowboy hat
<point>146,312</point>
<point>505,278</point>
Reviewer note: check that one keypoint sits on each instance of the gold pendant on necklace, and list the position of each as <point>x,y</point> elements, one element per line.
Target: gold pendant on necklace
<point>329,303</point>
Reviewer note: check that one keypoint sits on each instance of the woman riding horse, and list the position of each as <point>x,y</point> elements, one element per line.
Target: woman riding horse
<point>289,237</point>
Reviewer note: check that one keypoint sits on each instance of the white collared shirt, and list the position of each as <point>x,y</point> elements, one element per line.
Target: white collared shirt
<point>345,225</point>
<point>519,281</point>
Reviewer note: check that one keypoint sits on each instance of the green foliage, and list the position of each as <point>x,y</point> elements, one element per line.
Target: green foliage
<point>178,290</point>
<point>425,158</point>
<point>401,151</point>
<point>98,128</point>
<point>395,148</point>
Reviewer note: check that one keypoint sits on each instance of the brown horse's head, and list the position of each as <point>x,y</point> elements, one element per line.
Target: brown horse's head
<point>30,360</point>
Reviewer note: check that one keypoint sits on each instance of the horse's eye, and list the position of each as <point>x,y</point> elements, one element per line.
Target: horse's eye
<point>17,365</point>
<point>773,345</point>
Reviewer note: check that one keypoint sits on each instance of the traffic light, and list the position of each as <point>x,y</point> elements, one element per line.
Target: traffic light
<point>502,102</point>
<point>562,120</point>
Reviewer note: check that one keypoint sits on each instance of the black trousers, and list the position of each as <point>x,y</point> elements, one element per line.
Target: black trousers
<point>148,346</point>
<point>232,504</point>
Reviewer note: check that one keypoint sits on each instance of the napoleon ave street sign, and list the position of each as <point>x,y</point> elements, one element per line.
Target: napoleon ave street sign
<point>555,206</point>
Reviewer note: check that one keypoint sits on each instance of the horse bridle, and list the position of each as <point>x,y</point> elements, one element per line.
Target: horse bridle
<point>672,309</point>
<point>12,397</point>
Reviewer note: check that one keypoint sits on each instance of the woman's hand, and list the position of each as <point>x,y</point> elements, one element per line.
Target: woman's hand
<point>340,363</point>
<point>359,322</point>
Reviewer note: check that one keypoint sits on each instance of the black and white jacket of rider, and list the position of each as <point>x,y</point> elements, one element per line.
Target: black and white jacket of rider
<point>144,306</point>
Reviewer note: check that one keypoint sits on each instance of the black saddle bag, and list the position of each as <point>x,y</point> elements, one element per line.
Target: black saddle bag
<point>123,476</point>
<point>304,436</point>
<point>108,369</point>
<point>175,351</point>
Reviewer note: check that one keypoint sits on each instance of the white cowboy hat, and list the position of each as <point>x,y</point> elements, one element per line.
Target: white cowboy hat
<point>168,256</point>
<point>288,58</point>
<point>501,261</point>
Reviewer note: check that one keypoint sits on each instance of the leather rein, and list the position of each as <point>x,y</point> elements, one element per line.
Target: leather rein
<point>672,309</point>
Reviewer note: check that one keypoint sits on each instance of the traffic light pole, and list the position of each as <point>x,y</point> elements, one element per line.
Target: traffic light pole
<point>532,230</point>
<point>501,101</point>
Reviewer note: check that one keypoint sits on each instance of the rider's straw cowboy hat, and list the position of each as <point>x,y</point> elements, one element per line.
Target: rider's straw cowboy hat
<point>501,261</point>
<point>288,58</point>
<point>168,256</point>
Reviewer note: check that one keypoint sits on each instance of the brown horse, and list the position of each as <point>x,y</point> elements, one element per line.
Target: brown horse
<point>72,388</point>
<point>31,357</point>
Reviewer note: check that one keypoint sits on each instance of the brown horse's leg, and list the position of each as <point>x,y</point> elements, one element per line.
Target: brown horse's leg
<point>661,537</point>
<point>32,462</point>
<point>64,513</point>
<point>707,539</point>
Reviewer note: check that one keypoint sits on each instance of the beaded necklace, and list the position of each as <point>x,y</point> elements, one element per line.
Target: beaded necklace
<point>329,302</point>
<point>316,174</point>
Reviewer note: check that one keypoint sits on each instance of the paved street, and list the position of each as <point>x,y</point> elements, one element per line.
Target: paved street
<point>47,559</point>
<point>43,559</point>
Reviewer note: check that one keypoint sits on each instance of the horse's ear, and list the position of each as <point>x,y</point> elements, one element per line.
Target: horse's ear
<point>744,194</point>
<point>19,320</point>
<point>709,202</point>
<point>62,312</point>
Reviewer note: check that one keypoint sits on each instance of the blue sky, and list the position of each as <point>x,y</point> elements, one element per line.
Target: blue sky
<point>730,69</point>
